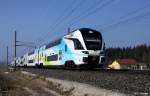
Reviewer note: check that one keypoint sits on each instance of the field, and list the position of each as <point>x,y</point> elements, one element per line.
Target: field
<point>17,84</point>
<point>22,83</point>
<point>34,82</point>
<point>135,83</point>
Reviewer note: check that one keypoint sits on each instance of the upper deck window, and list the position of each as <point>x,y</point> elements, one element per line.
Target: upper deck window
<point>53,44</point>
<point>31,53</point>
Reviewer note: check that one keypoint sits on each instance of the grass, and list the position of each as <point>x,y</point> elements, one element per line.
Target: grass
<point>15,84</point>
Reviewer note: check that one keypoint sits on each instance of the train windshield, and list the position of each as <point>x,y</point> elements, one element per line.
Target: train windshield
<point>92,39</point>
<point>77,44</point>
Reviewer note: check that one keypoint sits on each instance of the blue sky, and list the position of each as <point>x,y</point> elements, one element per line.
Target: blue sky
<point>121,22</point>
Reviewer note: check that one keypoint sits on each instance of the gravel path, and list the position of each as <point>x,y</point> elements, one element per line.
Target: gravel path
<point>134,83</point>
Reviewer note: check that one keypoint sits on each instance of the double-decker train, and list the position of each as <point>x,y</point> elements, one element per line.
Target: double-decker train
<point>83,47</point>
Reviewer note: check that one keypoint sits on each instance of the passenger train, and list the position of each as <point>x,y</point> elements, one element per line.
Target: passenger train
<point>84,47</point>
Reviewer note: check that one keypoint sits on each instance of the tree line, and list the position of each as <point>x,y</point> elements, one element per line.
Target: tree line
<point>140,53</point>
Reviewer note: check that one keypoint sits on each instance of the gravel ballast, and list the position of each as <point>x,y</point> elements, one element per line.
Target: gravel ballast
<point>70,88</point>
<point>133,83</point>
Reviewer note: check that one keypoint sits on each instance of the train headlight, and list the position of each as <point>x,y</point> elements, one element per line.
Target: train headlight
<point>102,52</point>
<point>85,52</point>
<point>85,59</point>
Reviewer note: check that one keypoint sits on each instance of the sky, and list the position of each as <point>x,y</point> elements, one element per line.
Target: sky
<point>122,22</point>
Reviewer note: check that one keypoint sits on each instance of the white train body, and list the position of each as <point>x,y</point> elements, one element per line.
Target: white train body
<point>82,47</point>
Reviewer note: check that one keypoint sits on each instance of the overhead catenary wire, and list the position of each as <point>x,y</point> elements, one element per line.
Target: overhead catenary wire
<point>79,4</point>
<point>126,16</point>
<point>38,41</point>
<point>86,10</point>
<point>98,8</point>
<point>90,8</point>
<point>135,11</point>
<point>58,22</point>
<point>84,15</point>
<point>135,18</point>
<point>71,12</point>
<point>63,17</point>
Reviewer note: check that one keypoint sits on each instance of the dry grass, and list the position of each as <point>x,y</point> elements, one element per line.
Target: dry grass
<point>15,84</point>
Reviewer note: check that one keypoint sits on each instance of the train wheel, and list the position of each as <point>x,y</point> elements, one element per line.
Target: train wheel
<point>66,65</point>
<point>70,65</point>
<point>41,65</point>
<point>36,65</point>
<point>25,65</point>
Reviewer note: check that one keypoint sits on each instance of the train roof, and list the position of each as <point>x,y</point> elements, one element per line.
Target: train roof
<point>89,29</point>
<point>44,45</point>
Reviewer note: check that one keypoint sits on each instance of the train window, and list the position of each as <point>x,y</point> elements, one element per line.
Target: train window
<point>53,43</point>
<point>30,61</point>
<point>52,58</point>
<point>65,48</point>
<point>31,53</point>
<point>92,39</point>
<point>77,44</point>
<point>42,54</point>
<point>104,47</point>
<point>45,58</point>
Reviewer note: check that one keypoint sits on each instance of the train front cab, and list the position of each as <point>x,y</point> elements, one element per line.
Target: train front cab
<point>88,48</point>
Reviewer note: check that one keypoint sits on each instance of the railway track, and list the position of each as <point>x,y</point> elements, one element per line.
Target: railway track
<point>125,71</point>
<point>133,82</point>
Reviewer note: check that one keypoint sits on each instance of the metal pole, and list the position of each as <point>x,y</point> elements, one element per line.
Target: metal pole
<point>0,57</point>
<point>69,30</point>
<point>38,58</point>
<point>7,57</point>
<point>15,47</point>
